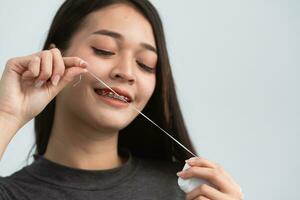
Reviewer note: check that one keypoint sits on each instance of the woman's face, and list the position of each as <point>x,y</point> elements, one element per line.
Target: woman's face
<point>118,44</point>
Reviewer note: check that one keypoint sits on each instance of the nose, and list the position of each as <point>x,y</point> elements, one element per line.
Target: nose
<point>123,70</point>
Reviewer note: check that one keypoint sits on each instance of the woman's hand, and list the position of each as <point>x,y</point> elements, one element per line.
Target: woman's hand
<point>227,188</point>
<point>29,83</point>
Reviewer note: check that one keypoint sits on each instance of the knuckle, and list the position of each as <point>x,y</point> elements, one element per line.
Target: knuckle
<point>35,59</point>
<point>214,174</point>
<point>47,53</point>
<point>190,170</point>
<point>197,160</point>
<point>202,198</point>
<point>12,60</point>
<point>44,52</point>
<point>202,188</point>
<point>58,65</point>
<point>55,51</point>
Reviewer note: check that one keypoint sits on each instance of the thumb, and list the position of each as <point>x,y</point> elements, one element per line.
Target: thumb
<point>69,76</point>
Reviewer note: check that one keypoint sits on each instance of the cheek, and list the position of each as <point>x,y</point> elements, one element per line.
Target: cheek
<point>146,88</point>
<point>99,66</point>
<point>95,63</point>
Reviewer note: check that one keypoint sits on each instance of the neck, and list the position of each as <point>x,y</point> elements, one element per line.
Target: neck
<point>75,145</point>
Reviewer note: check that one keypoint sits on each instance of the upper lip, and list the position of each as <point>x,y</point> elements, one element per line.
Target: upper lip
<point>119,92</point>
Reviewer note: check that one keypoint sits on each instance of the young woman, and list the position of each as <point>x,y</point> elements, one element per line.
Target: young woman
<point>91,144</point>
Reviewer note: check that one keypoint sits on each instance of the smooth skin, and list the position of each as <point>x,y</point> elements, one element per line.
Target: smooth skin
<point>85,129</point>
<point>22,96</point>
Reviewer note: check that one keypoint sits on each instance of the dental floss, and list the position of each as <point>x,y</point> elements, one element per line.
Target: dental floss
<point>186,185</point>
<point>144,115</point>
<point>77,81</point>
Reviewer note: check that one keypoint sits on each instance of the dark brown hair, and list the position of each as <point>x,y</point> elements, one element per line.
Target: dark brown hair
<point>141,137</point>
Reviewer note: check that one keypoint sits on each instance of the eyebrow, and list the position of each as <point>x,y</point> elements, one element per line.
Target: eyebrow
<point>118,36</point>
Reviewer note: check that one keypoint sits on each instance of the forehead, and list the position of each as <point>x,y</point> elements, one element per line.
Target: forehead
<point>123,19</point>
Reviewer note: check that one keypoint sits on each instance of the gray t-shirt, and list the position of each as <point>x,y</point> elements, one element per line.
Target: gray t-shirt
<point>138,178</point>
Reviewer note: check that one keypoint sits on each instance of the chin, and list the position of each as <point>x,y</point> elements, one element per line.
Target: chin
<point>111,120</point>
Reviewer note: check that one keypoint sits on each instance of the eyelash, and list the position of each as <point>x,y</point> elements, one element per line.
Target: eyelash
<point>101,52</point>
<point>146,68</point>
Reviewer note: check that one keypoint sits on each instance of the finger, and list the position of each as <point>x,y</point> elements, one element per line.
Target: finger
<point>58,68</point>
<point>75,61</point>
<point>19,64</point>
<point>207,192</point>
<point>233,182</point>
<point>46,66</point>
<point>210,174</point>
<point>27,75</point>
<point>24,60</point>
<point>202,162</point>
<point>34,66</point>
<point>33,69</point>
<point>69,75</point>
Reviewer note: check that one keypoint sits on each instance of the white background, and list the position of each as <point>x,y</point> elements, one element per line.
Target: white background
<point>236,67</point>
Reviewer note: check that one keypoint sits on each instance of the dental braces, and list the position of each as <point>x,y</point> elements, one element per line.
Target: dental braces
<point>169,135</point>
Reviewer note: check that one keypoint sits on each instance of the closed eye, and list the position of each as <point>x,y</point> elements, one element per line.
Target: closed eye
<point>102,52</point>
<point>146,68</point>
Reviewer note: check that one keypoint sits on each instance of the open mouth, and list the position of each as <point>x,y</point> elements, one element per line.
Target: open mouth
<point>105,92</point>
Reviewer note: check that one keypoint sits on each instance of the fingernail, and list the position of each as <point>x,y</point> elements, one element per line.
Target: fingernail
<point>192,159</point>
<point>39,83</point>
<point>179,173</point>
<point>82,63</point>
<point>189,162</point>
<point>55,80</point>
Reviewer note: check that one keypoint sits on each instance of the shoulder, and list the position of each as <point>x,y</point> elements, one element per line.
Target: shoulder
<point>6,186</point>
<point>12,186</point>
<point>3,189</point>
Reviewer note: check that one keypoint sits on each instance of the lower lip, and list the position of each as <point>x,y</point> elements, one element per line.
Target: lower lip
<point>113,102</point>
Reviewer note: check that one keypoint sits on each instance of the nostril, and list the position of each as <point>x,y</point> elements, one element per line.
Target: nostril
<point>128,77</point>
<point>131,81</point>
